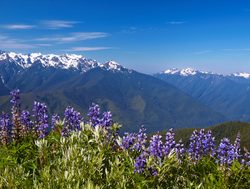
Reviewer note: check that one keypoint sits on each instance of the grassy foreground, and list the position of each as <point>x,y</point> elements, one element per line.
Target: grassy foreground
<point>89,159</point>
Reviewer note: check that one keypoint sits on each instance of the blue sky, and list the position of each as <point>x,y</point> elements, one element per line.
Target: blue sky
<point>148,36</point>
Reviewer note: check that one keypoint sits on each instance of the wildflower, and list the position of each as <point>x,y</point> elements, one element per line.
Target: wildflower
<point>72,120</point>
<point>128,140</point>
<point>156,146</point>
<point>179,150</point>
<point>225,152</point>
<point>40,112</point>
<point>247,158</point>
<point>170,142</point>
<point>141,163</point>
<point>201,144</point>
<point>96,119</point>
<point>15,99</point>
<point>94,115</point>
<point>19,130</point>
<point>54,120</point>
<point>25,120</point>
<point>141,140</point>
<point>106,120</point>
<point>209,144</point>
<point>5,129</point>
<point>237,149</point>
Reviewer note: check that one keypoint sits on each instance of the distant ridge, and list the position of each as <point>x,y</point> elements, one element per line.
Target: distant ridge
<point>192,72</point>
<point>227,94</point>
<point>133,98</point>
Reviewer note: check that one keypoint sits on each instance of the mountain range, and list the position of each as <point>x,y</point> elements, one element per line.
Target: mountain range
<point>226,94</point>
<point>132,97</point>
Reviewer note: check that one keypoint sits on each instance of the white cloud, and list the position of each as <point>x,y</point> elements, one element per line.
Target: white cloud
<point>19,26</point>
<point>89,48</point>
<point>9,43</point>
<point>79,36</point>
<point>58,24</point>
<point>47,24</point>
<point>176,22</point>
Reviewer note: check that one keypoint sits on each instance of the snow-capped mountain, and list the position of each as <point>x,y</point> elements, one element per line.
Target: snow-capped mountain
<point>182,72</point>
<point>241,74</point>
<point>114,66</point>
<point>65,61</point>
<point>193,72</point>
<point>38,70</point>
<point>227,94</point>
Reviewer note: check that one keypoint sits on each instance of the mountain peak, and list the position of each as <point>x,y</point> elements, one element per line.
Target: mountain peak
<point>112,65</point>
<point>188,71</point>
<point>185,72</point>
<point>241,74</point>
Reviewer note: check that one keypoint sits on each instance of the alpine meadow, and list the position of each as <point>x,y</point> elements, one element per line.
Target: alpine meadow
<point>124,94</point>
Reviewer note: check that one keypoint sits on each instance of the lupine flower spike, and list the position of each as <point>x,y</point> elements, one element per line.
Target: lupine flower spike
<point>40,113</point>
<point>72,120</point>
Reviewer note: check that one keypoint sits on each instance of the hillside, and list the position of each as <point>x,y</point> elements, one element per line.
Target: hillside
<point>227,94</point>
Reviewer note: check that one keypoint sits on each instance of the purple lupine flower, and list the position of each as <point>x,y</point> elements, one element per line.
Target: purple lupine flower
<point>25,120</point>
<point>106,120</point>
<point>141,140</point>
<point>201,144</point>
<point>5,129</point>
<point>15,98</point>
<point>18,130</point>
<point>54,120</point>
<point>141,163</point>
<point>225,152</point>
<point>156,146</point>
<point>96,119</point>
<point>247,158</point>
<point>195,146</point>
<point>209,144</point>
<point>170,142</point>
<point>40,113</point>
<point>152,171</point>
<point>128,140</point>
<point>94,114</point>
<point>179,150</point>
<point>237,149</point>
<point>72,121</point>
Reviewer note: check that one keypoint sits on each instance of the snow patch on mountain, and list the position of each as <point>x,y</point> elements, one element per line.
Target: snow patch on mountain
<point>243,74</point>
<point>184,72</point>
<point>171,71</point>
<point>112,65</point>
<point>192,72</point>
<point>187,72</point>
<point>2,79</point>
